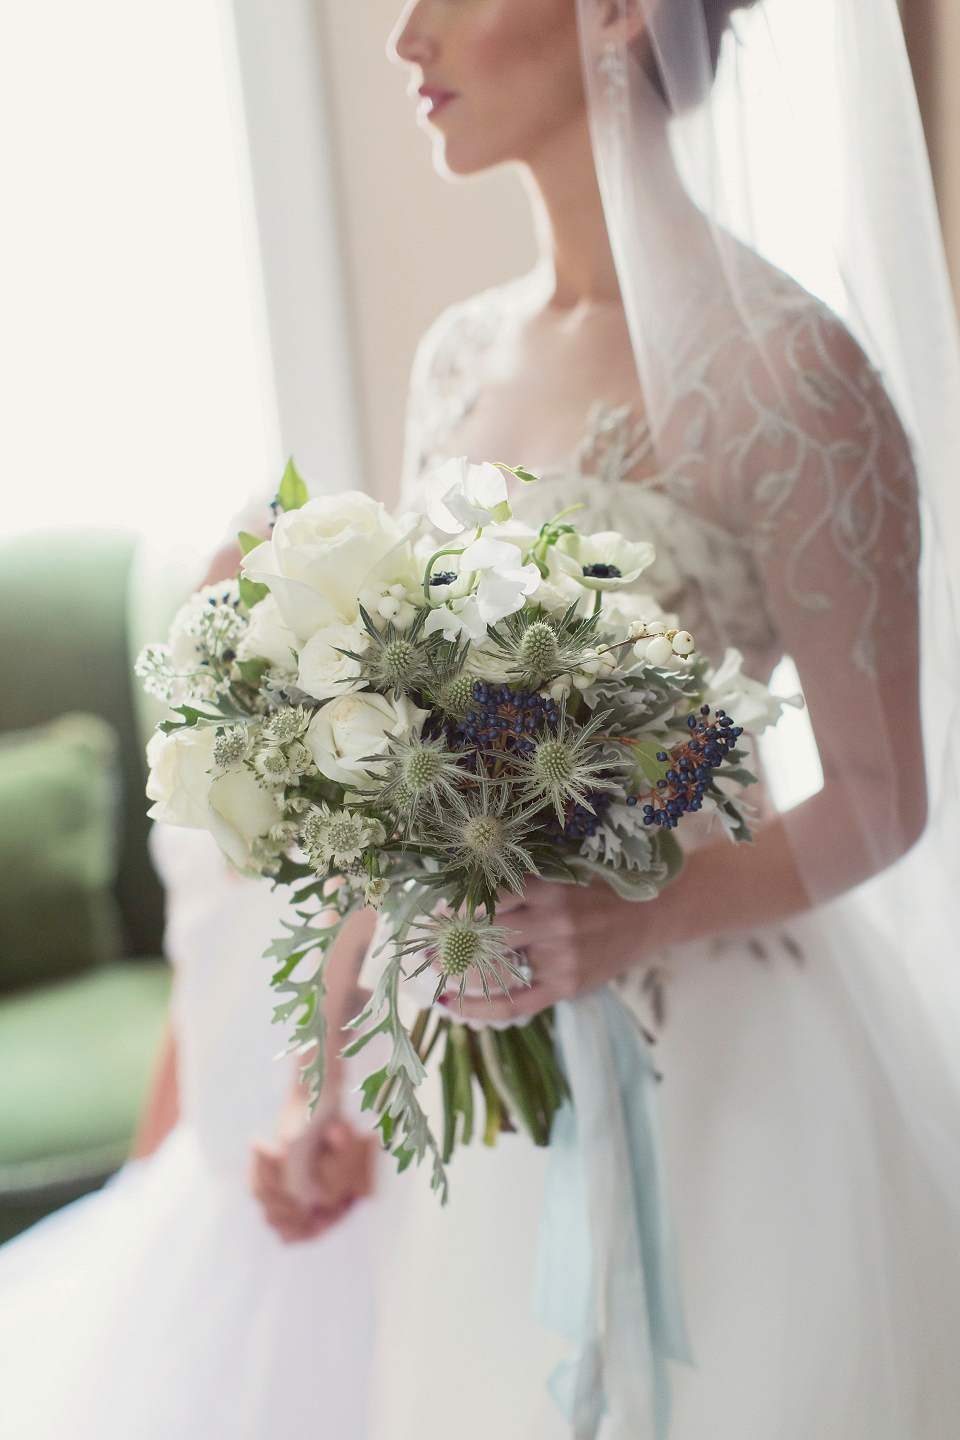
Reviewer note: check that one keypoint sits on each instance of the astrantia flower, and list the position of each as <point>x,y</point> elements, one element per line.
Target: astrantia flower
<point>338,837</point>
<point>603,561</point>
<point>288,724</point>
<point>231,747</point>
<point>457,944</point>
<point>462,496</point>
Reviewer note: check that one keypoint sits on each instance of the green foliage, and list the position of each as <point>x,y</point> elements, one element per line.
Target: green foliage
<point>248,542</point>
<point>293,493</point>
<point>250,592</point>
<point>191,717</point>
<point>253,671</point>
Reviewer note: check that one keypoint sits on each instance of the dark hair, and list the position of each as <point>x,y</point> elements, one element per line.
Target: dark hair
<point>716,17</point>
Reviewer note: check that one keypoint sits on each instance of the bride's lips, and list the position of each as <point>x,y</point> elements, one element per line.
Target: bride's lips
<point>434,99</point>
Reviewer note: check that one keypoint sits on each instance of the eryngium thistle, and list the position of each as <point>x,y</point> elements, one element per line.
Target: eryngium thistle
<point>563,768</point>
<point>457,944</point>
<point>456,695</point>
<point>538,652</point>
<point>483,835</point>
<point>538,649</point>
<point>395,660</point>
<point>419,773</point>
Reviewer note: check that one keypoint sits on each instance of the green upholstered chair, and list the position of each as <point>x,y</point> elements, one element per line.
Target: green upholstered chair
<point>78,1037</point>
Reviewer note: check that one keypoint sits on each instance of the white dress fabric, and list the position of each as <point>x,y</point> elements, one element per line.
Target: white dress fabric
<point>163,1307</point>
<point>820,1262</point>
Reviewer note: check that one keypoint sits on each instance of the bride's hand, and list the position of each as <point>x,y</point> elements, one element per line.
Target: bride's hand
<point>574,938</point>
<point>306,1182</point>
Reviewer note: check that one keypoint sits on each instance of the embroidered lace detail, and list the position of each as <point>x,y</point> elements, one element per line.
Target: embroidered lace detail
<point>791,488</point>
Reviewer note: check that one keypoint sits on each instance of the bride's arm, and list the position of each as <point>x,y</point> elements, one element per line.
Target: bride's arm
<point>317,1166</point>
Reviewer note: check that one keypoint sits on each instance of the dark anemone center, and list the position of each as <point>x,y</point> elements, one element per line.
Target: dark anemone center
<point>601,572</point>
<point>444,577</point>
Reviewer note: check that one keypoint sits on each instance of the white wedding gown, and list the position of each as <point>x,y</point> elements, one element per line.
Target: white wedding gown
<point>820,1266</point>
<point>163,1307</point>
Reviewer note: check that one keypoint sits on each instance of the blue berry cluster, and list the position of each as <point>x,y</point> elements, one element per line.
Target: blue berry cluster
<point>580,822</point>
<point>502,719</point>
<point>685,783</point>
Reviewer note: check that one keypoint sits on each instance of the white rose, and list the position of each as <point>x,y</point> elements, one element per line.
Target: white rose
<point>239,812</point>
<point>233,807</point>
<point>324,672</point>
<point>320,557</point>
<point>268,638</point>
<point>180,767</point>
<point>342,733</point>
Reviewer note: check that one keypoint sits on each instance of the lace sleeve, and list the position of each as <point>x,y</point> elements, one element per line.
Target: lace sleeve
<point>822,484</point>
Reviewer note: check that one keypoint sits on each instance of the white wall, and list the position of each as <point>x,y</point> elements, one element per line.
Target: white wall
<point>129,387</point>
<point>412,242</point>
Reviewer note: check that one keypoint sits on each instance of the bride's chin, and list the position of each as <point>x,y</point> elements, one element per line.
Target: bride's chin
<point>455,160</point>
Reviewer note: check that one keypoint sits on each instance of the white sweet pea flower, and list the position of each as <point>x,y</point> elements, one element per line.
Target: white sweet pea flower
<point>187,790</point>
<point>345,732</point>
<point>461,496</point>
<point>325,672</point>
<point>322,556</point>
<point>603,561</point>
<point>746,701</point>
<point>504,579</point>
<point>268,638</point>
<point>460,617</point>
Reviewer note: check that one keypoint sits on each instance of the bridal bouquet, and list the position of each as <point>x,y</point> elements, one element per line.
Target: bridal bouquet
<point>418,716</point>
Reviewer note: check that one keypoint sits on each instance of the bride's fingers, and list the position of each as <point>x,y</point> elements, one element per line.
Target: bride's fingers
<point>522,1001</point>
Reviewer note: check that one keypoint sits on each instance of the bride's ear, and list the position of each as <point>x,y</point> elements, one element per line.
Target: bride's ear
<point>623,21</point>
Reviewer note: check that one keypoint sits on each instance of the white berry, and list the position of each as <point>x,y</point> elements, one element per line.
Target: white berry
<point>659,650</point>
<point>682,642</point>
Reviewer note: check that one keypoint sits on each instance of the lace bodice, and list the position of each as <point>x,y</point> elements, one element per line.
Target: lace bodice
<point>790,486</point>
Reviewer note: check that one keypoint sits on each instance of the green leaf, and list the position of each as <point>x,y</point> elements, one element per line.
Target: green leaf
<point>403,1156</point>
<point>248,542</point>
<point>253,671</point>
<point>251,593</point>
<point>371,1087</point>
<point>386,1125</point>
<point>293,493</point>
<point>647,769</point>
<point>191,717</point>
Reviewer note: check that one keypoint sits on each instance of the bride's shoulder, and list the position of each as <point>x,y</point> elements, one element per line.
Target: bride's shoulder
<point>466,328</point>
<point>446,375</point>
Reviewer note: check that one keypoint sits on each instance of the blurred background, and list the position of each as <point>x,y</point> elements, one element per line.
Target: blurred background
<point>223,239</point>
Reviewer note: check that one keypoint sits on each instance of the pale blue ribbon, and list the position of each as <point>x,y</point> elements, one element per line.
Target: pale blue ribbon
<point>607,1275</point>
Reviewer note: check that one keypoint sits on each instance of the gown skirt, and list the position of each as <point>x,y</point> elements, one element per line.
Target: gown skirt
<point>820,1266</point>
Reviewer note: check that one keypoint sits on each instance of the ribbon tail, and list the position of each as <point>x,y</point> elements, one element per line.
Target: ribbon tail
<point>606,1273</point>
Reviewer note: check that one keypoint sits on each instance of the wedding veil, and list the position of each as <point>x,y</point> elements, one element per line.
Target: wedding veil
<point>808,151</point>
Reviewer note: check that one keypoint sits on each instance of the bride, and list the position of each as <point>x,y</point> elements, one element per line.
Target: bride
<point>656,372</point>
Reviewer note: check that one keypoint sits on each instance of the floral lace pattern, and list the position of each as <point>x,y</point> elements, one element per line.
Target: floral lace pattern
<point>786,459</point>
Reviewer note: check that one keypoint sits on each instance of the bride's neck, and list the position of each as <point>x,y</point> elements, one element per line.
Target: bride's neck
<point>568,211</point>
<point>569,219</point>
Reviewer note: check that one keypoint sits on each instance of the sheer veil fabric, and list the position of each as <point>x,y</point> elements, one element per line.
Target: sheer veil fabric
<point>802,170</point>
<point>780,262</point>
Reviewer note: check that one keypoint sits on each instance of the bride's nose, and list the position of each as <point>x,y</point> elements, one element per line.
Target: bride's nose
<point>410,42</point>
